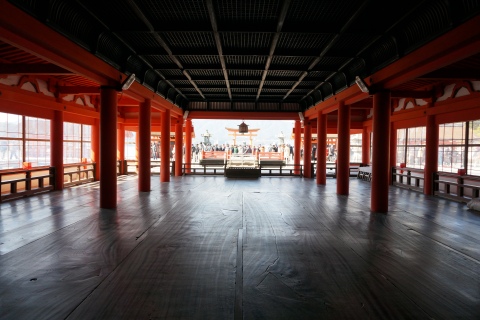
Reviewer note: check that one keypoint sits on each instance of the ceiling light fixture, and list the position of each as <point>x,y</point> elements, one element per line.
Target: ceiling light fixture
<point>302,118</point>
<point>361,84</point>
<point>128,82</point>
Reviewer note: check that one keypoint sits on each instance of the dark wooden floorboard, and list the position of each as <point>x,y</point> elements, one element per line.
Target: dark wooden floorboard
<point>219,248</point>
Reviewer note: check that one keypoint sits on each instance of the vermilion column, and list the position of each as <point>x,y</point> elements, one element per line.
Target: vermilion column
<point>108,148</point>
<point>380,152</point>
<point>296,146</point>
<point>56,148</point>
<point>343,149</point>
<point>137,145</point>
<point>144,145</point>
<point>431,154</point>
<point>393,152</point>
<point>121,146</point>
<point>165,147</point>
<point>178,146</point>
<point>307,149</point>
<point>365,146</point>
<point>321,148</point>
<point>95,151</point>
<point>188,144</point>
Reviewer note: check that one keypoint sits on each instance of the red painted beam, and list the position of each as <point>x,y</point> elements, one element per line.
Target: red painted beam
<point>38,39</point>
<point>458,44</point>
<point>43,103</point>
<point>26,68</point>
<point>235,115</point>
<point>57,49</point>
<point>78,90</point>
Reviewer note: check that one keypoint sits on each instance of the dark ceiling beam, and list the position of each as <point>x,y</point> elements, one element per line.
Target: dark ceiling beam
<point>242,115</point>
<point>327,48</point>
<point>218,43</point>
<point>127,45</point>
<point>273,45</point>
<point>232,67</point>
<point>371,42</point>
<point>138,12</point>
<point>78,90</point>
<point>446,74</point>
<point>412,94</point>
<point>232,78</point>
<point>25,68</point>
<point>363,104</point>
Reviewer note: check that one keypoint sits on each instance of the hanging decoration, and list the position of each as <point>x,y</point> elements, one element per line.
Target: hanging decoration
<point>243,128</point>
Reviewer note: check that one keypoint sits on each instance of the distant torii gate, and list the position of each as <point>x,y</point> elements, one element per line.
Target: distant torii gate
<point>234,132</point>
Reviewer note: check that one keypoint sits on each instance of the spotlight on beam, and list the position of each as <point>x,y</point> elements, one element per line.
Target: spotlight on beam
<point>128,82</point>
<point>185,115</point>
<point>302,118</point>
<point>361,84</point>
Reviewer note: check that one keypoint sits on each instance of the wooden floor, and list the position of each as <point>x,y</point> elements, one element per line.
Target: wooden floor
<point>218,248</point>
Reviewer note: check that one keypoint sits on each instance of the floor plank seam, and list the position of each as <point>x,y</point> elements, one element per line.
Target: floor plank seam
<point>138,241</point>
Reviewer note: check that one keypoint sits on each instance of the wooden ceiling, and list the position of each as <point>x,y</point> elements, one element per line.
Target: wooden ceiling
<point>250,56</point>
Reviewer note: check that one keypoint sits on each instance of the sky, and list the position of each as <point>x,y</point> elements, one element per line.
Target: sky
<point>269,131</point>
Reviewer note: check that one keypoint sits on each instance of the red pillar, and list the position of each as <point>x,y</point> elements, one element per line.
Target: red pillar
<point>296,146</point>
<point>165,147</point>
<point>95,151</point>
<point>393,152</point>
<point>431,154</point>
<point>380,152</point>
<point>343,149</point>
<point>121,146</point>
<point>108,146</point>
<point>56,148</point>
<point>307,149</point>
<point>365,146</point>
<point>144,145</point>
<point>178,146</point>
<point>321,148</point>
<point>188,144</point>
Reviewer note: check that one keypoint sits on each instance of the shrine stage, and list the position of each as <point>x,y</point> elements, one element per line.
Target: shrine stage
<point>207,247</point>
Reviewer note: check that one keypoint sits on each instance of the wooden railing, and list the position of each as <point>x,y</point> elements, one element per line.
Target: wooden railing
<point>281,170</point>
<point>409,178</point>
<point>331,167</point>
<point>131,167</point>
<point>266,170</point>
<point>205,169</point>
<point>270,156</point>
<point>213,154</point>
<point>456,187</point>
<point>78,173</point>
<point>19,183</point>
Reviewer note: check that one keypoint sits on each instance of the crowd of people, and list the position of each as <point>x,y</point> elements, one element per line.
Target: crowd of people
<point>286,149</point>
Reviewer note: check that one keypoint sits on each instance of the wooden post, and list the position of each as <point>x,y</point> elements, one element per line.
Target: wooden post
<point>108,152</point>
<point>188,144</point>
<point>178,146</point>
<point>144,145</point>
<point>321,147</point>
<point>121,147</point>
<point>297,145</point>
<point>343,149</point>
<point>56,154</point>
<point>431,155</point>
<point>307,149</point>
<point>165,147</point>
<point>380,158</point>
